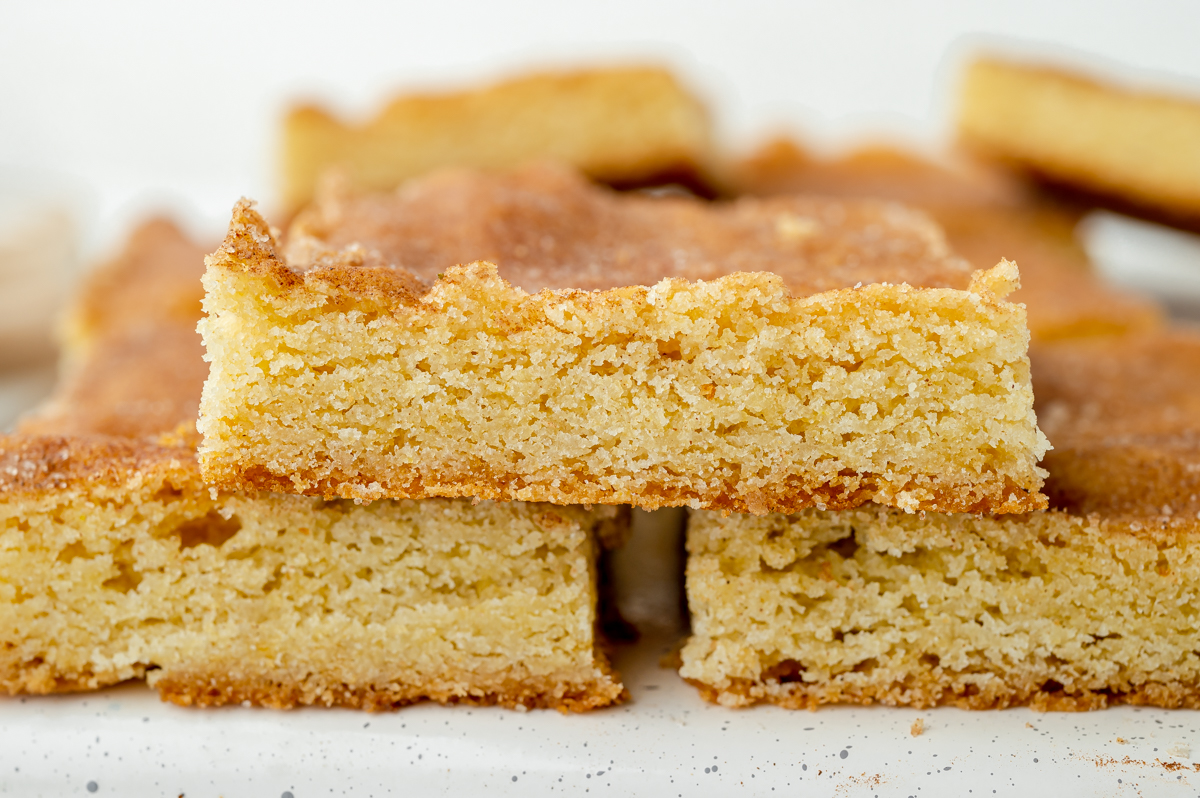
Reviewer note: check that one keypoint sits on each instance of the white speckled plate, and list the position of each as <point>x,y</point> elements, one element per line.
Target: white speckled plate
<point>666,742</point>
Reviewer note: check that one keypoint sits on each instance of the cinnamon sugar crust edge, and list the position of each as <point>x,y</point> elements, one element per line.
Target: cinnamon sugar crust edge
<point>198,686</point>
<point>252,247</point>
<point>211,689</point>
<point>33,465</point>
<point>796,494</point>
<point>933,689</point>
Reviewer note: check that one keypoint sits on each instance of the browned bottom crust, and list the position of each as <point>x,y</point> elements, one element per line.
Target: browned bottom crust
<point>934,688</point>
<point>935,494</point>
<point>201,690</point>
<point>209,686</point>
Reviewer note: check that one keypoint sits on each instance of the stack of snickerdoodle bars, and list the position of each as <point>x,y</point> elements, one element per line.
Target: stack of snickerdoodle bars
<point>426,406</point>
<point>117,561</point>
<point>763,356</point>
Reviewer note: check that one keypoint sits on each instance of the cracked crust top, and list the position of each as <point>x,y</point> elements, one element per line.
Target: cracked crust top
<point>986,214</point>
<point>547,227</point>
<point>322,278</point>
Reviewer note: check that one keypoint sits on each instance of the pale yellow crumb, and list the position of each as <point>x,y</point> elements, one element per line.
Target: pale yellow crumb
<point>285,600</point>
<point>117,561</point>
<point>876,606</point>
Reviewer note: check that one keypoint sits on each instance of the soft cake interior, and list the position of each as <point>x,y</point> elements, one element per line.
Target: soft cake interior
<point>1055,610</point>
<point>285,600</point>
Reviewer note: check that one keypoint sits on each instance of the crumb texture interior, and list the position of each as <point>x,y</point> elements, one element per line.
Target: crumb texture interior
<point>285,600</point>
<point>727,394</point>
<point>871,605</point>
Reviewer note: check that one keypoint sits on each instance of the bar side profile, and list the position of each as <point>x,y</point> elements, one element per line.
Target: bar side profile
<point>119,564</point>
<point>352,378</point>
<point>1051,609</point>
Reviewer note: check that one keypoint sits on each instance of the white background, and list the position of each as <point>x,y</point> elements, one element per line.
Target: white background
<point>153,101</point>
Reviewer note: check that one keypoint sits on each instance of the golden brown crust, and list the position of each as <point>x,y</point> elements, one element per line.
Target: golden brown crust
<point>214,688</point>
<point>135,371</point>
<point>154,281</point>
<point>251,247</point>
<point>134,365</point>
<point>31,465</point>
<point>942,495</point>
<point>782,166</point>
<point>133,383</point>
<point>936,688</point>
<point>546,227</point>
<point>1146,385</point>
<point>1063,297</point>
<point>1124,419</point>
<point>1150,480</point>
<point>986,216</point>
